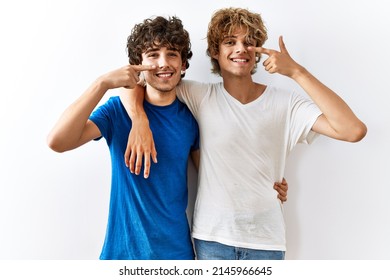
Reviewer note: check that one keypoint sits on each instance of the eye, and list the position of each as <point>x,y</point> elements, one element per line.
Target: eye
<point>173,54</point>
<point>151,55</point>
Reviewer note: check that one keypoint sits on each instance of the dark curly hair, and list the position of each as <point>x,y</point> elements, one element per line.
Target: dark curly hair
<point>159,32</point>
<point>224,22</point>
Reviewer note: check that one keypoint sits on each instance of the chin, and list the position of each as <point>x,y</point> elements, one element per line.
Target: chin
<point>166,89</point>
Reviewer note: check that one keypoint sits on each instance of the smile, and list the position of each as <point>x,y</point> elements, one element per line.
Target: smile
<point>239,60</point>
<point>164,75</point>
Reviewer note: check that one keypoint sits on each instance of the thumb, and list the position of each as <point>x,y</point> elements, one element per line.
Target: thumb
<point>282,46</point>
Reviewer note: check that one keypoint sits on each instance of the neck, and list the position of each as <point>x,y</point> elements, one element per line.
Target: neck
<point>243,88</point>
<point>159,98</point>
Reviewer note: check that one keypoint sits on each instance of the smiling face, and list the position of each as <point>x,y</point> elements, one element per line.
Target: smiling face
<point>233,56</point>
<point>156,33</point>
<point>167,74</point>
<point>227,23</point>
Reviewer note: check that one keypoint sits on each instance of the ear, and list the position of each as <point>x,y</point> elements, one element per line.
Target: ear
<point>215,56</point>
<point>183,69</point>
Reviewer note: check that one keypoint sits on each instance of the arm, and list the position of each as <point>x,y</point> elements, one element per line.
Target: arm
<point>140,145</point>
<point>195,157</point>
<point>337,121</point>
<point>73,129</point>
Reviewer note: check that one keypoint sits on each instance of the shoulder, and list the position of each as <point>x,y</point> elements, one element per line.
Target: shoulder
<point>183,108</point>
<point>112,101</point>
<point>111,108</point>
<point>282,94</point>
<point>278,90</point>
<point>194,86</point>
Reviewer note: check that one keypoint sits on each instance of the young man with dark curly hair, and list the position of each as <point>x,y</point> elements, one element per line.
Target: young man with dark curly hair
<point>147,217</point>
<point>247,131</point>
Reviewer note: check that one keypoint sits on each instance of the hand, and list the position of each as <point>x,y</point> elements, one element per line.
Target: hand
<point>282,189</point>
<point>127,76</point>
<point>140,147</point>
<point>278,61</point>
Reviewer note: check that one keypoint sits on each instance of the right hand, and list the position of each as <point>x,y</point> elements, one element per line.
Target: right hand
<point>126,76</point>
<point>140,147</point>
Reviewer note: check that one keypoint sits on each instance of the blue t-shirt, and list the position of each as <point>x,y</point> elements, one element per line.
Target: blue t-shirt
<point>147,217</point>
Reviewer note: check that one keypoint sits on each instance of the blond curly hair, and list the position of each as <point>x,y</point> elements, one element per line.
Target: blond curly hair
<point>224,22</point>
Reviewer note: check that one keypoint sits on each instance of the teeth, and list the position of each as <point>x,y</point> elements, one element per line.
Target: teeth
<point>239,60</point>
<point>164,75</point>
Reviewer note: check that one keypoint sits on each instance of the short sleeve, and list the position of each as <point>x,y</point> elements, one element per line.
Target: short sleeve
<point>192,93</point>
<point>303,114</point>
<point>101,117</point>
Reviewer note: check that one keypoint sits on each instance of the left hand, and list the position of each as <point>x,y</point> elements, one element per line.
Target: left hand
<point>140,148</point>
<point>278,61</point>
<point>282,189</point>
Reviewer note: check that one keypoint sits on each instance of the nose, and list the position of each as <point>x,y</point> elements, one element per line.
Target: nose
<point>162,61</point>
<point>241,47</point>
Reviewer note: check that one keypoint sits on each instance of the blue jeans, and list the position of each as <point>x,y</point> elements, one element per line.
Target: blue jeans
<point>209,250</point>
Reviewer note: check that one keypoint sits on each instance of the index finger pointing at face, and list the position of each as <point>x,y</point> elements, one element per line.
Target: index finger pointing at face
<point>140,68</point>
<point>261,50</point>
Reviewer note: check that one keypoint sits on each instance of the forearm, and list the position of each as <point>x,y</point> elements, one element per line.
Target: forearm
<point>140,145</point>
<point>338,114</point>
<point>68,131</point>
<point>132,100</point>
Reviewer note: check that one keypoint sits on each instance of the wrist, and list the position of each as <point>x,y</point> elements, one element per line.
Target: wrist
<point>102,83</point>
<point>300,73</point>
<point>139,117</point>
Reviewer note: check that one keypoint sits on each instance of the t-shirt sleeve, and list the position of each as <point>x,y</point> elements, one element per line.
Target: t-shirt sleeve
<point>192,93</point>
<point>101,117</point>
<point>304,113</point>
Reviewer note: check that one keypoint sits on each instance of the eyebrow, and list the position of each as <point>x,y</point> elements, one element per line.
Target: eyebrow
<point>151,50</point>
<point>229,36</point>
<point>247,38</point>
<point>157,49</point>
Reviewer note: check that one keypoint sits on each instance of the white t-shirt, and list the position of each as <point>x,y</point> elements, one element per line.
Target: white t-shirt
<point>243,151</point>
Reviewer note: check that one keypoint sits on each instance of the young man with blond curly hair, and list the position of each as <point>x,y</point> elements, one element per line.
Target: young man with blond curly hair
<point>247,131</point>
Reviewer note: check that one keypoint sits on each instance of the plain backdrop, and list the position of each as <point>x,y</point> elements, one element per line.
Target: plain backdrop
<point>54,206</point>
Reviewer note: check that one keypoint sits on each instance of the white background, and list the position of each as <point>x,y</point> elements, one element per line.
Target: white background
<point>54,206</point>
